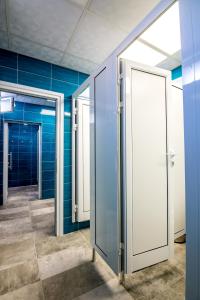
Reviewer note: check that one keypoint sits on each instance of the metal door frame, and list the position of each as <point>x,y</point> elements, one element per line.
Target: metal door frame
<point>39,146</point>
<point>59,98</point>
<point>5,162</point>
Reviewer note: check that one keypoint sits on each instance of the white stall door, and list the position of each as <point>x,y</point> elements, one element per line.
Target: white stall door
<point>81,157</point>
<point>179,166</point>
<point>131,216</point>
<point>145,166</point>
<point>83,160</point>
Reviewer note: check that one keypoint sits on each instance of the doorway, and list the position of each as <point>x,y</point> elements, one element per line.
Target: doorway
<point>29,158</point>
<point>22,157</point>
<point>44,176</point>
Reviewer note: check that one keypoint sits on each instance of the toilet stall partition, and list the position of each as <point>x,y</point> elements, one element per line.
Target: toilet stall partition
<point>131,170</point>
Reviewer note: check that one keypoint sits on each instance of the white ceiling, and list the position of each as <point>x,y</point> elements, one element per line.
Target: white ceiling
<point>78,34</point>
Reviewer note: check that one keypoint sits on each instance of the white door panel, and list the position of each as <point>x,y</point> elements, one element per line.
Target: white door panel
<point>81,158</point>
<point>179,166</point>
<point>149,181</point>
<point>145,166</point>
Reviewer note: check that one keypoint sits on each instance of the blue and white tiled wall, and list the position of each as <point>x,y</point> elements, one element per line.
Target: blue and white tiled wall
<point>28,71</point>
<point>45,116</point>
<point>23,146</point>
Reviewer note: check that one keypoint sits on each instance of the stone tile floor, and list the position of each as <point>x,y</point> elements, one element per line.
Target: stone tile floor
<point>34,264</point>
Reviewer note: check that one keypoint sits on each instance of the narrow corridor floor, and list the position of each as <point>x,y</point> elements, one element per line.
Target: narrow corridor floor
<point>36,265</point>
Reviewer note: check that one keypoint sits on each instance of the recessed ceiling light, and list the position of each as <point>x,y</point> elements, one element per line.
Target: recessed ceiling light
<point>50,100</point>
<point>164,33</point>
<point>142,53</point>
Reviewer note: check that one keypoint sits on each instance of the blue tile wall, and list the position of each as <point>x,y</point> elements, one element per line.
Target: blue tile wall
<point>17,68</point>
<point>176,73</point>
<point>23,146</point>
<point>45,116</point>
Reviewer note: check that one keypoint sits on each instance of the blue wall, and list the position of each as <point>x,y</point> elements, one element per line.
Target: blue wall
<point>177,72</point>
<point>20,69</point>
<point>45,116</point>
<point>23,146</point>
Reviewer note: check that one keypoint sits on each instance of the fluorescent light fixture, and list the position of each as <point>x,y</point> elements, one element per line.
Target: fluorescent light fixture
<point>164,33</point>
<point>6,104</point>
<point>50,100</point>
<point>47,112</point>
<point>142,53</point>
<point>67,114</point>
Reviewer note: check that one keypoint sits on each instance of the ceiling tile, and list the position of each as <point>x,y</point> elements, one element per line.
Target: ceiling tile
<point>3,40</point>
<point>124,14</point>
<point>177,56</point>
<point>78,63</point>
<point>3,15</point>
<point>172,61</point>
<point>79,2</point>
<point>169,64</point>
<point>47,22</point>
<point>32,49</point>
<point>95,38</point>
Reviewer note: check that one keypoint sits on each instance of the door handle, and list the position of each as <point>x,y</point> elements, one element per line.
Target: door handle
<point>10,160</point>
<point>171,156</point>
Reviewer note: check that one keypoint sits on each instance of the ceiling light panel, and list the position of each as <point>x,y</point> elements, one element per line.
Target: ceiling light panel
<point>141,53</point>
<point>165,32</point>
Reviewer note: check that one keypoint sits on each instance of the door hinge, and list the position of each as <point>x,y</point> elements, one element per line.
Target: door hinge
<point>120,77</point>
<point>76,212</point>
<point>121,248</point>
<point>120,107</point>
<point>76,208</point>
<point>75,127</point>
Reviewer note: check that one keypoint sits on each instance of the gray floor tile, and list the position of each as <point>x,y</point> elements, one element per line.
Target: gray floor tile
<point>43,211</point>
<point>111,290</point>
<point>16,252</point>
<point>86,234</point>
<point>58,262</point>
<point>153,280</point>
<point>12,227</point>
<point>12,216</point>
<point>49,244</point>
<point>18,275</point>
<point>75,282</point>
<point>28,292</point>
<point>30,251</point>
